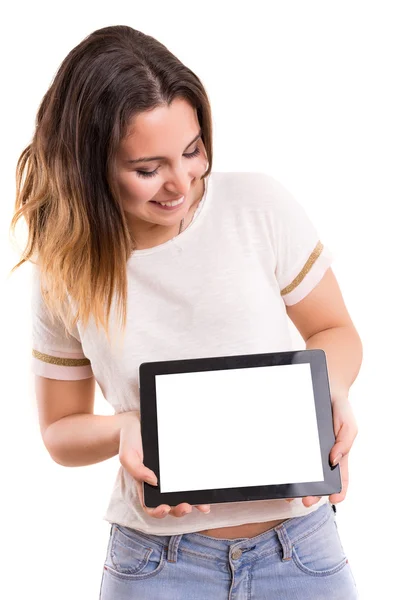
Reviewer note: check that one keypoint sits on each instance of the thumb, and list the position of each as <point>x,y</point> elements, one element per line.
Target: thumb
<point>345,431</point>
<point>132,462</point>
<point>342,445</point>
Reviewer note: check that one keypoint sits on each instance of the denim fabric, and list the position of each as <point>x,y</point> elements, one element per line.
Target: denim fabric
<point>300,559</point>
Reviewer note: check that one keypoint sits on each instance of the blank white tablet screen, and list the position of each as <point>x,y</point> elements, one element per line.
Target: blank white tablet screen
<point>237,428</point>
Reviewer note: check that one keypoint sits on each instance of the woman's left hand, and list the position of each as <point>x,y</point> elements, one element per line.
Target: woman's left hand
<point>345,429</point>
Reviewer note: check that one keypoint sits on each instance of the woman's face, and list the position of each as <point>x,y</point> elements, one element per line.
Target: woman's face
<point>170,133</point>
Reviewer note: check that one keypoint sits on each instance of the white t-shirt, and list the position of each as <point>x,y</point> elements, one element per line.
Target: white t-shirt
<point>219,288</point>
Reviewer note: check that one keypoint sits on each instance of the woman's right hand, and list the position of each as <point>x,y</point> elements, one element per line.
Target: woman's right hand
<point>131,458</point>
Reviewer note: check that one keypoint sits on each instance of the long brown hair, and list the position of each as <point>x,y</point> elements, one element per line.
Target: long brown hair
<point>77,231</point>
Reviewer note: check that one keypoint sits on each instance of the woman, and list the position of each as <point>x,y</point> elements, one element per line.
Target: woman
<point>126,216</point>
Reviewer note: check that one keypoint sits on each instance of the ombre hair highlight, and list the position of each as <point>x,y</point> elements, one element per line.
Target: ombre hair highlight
<point>66,178</point>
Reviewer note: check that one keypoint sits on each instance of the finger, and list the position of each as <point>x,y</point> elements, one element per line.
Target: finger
<point>344,472</point>
<point>344,439</point>
<point>159,512</point>
<point>181,510</point>
<point>204,508</point>
<point>343,444</point>
<point>310,500</point>
<point>132,462</point>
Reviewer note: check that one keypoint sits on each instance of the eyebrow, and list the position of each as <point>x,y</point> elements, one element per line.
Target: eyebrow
<point>150,158</point>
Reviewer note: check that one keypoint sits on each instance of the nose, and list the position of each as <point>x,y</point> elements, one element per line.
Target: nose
<point>180,182</point>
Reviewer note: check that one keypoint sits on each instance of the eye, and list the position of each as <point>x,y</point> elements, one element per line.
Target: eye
<point>146,174</point>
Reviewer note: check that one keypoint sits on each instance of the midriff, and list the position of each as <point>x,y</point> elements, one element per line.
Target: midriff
<point>241,531</point>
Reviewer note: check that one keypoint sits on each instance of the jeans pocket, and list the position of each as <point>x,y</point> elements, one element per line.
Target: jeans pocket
<point>320,553</point>
<point>131,557</point>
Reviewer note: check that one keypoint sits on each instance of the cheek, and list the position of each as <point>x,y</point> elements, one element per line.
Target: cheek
<point>135,190</point>
<point>204,160</point>
<point>202,166</point>
<point>197,166</point>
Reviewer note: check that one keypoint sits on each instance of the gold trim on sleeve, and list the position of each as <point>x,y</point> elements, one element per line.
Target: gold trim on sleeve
<point>313,257</point>
<point>62,362</point>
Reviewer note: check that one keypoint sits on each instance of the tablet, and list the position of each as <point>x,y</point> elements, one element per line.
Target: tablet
<point>237,428</point>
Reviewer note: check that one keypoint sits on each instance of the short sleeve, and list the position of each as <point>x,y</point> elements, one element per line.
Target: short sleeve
<point>301,256</point>
<point>55,354</point>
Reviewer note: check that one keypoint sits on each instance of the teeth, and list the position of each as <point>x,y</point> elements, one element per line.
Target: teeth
<point>174,203</point>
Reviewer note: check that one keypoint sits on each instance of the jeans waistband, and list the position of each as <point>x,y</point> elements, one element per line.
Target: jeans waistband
<point>283,536</point>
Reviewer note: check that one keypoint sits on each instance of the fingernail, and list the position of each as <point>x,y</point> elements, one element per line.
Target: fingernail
<point>151,481</point>
<point>337,459</point>
<point>207,512</point>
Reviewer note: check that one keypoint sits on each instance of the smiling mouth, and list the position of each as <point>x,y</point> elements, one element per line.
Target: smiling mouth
<point>169,204</point>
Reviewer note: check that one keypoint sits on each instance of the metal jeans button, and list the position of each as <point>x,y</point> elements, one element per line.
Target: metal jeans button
<point>236,553</point>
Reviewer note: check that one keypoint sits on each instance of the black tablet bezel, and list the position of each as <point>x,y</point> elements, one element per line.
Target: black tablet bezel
<point>323,407</point>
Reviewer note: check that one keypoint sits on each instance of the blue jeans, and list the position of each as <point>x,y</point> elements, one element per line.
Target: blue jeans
<point>300,559</point>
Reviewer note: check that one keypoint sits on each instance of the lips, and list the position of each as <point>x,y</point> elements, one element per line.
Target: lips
<point>166,207</point>
<point>173,200</point>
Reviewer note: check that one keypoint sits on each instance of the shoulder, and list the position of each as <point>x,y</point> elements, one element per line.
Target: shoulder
<point>249,184</point>
<point>257,191</point>
<point>241,181</point>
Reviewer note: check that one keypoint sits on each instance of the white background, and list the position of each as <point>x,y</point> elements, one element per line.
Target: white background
<point>304,91</point>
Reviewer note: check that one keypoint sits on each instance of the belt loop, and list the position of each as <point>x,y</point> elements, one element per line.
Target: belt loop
<point>173,544</point>
<point>285,542</point>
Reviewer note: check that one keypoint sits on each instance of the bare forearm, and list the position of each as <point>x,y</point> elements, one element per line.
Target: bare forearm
<point>343,349</point>
<point>84,439</point>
